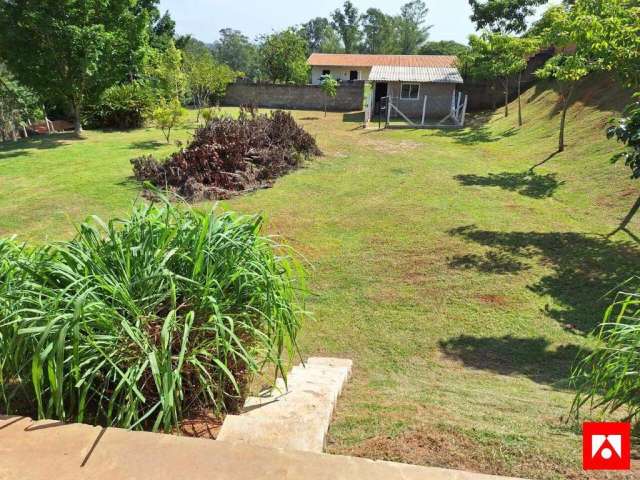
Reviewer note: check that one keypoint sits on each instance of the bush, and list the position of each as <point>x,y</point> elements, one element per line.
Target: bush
<point>609,376</point>
<point>228,156</point>
<point>143,321</point>
<point>124,106</point>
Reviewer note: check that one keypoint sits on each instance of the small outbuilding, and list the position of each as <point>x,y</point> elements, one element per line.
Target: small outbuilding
<point>415,88</point>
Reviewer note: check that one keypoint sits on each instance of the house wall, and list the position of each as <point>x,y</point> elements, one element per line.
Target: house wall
<point>349,96</point>
<point>438,99</point>
<point>339,73</point>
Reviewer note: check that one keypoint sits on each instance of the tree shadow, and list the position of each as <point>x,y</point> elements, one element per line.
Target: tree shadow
<point>474,135</point>
<point>39,142</point>
<point>508,355</point>
<point>582,268</point>
<point>527,183</point>
<point>147,145</point>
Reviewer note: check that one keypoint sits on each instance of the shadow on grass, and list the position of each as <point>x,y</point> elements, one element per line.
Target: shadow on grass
<point>510,355</point>
<point>41,142</point>
<point>579,269</point>
<point>147,145</point>
<point>353,117</point>
<point>475,134</point>
<point>527,183</point>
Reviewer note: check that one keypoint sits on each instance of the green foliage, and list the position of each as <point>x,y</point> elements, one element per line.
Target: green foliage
<point>167,115</point>
<point>17,105</point>
<point>505,16</point>
<point>283,58</point>
<point>412,33</point>
<point>443,47</point>
<point>124,106</point>
<point>71,51</point>
<point>627,132</point>
<point>608,377</point>
<point>163,69</point>
<point>207,80</point>
<point>380,32</point>
<point>347,23</point>
<point>329,86</point>
<point>320,36</point>
<point>143,321</point>
<point>238,52</point>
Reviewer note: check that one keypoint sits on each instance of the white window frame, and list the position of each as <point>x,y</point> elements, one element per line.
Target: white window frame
<point>409,98</point>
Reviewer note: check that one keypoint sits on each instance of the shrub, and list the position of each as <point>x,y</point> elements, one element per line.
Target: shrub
<point>609,376</point>
<point>124,106</point>
<point>143,321</point>
<point>228,156</point>
<point>167,116</point>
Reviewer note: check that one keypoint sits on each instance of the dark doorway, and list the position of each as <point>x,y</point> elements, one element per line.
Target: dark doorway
<point>381,91</point>
<point>353,75</point>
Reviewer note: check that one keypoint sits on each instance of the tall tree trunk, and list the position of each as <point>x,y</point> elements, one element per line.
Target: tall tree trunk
<point>627,219</point>
<point>493,95</point>
<point>77,118</point>
<point>506,96</point>
<point>565,106</point>
<point>519,99</point>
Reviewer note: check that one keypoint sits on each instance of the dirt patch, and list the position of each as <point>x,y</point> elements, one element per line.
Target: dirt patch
<point>448,448</point>
<point>202,426</point>
<point>493,299</point>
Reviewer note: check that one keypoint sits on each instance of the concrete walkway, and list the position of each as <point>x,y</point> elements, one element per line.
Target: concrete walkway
<point>295,416</point>
<point>43,450</point>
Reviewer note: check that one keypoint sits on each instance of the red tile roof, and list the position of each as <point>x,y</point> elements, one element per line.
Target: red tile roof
<point>357,60</point>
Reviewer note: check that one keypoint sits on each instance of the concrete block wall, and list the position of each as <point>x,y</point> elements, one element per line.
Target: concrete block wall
<point>349,96</point>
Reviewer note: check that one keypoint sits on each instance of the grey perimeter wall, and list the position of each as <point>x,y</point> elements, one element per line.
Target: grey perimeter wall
<point>349,96</point>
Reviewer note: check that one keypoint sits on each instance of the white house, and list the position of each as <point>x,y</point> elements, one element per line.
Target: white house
<point>407,79</point>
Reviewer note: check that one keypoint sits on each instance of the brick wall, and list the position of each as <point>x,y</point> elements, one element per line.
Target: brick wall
<point>295,97</point>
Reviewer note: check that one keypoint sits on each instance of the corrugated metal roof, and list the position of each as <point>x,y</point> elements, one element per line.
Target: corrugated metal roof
<point>360,60</point>
<point>386,73</point>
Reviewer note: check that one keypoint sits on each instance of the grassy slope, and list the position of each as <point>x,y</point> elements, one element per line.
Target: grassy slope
<point>460,286</point>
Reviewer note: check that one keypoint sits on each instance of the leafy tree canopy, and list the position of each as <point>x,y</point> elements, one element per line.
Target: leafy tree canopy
<point>443,47</point>
<point>380,32</point>
<point>411,26</point>
<point>503,15</point>
<point>237,51</point>
<point>347,23</point>
<point>72,50</point>
<point>283,57</point>
<point>320,36</point>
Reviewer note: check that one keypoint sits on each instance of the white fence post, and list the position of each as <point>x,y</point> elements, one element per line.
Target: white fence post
<point>424,109</point>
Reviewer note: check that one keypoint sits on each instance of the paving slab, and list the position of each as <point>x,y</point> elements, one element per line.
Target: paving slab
<point>80,452</point>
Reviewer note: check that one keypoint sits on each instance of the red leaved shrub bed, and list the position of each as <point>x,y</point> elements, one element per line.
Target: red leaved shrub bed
<point>230,156</point>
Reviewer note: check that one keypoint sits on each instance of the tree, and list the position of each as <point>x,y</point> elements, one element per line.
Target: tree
<point>523,47</point>
<point>164,69</point>
<point>412,30</point>
<point>206,79</point>
<point>493,56</point>
<point>380,32</point>
<point>627,132</point>
<point>283,58</point>
<point>71,50</point>
<point>329,86</point>
<point>18,104</point>
<point>237,51</point>
<point>320,36</point>
<point>163,31</point>
<point>443,47</point>
<point>167,116</point>
<point>572,64</point>
<point>503,16</point>
<point>347,23</point>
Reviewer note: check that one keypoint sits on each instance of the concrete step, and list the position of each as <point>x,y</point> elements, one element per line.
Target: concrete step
<point>297,417</point>
<point>44,450</point>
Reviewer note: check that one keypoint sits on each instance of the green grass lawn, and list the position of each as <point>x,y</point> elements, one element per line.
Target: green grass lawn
<point>461,286</point>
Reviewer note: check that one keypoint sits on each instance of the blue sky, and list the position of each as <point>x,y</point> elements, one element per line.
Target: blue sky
<point>204,18</point>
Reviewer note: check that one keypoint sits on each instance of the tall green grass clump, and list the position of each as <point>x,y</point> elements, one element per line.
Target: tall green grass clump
<point>608,377</point>
<point>146,320</point>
